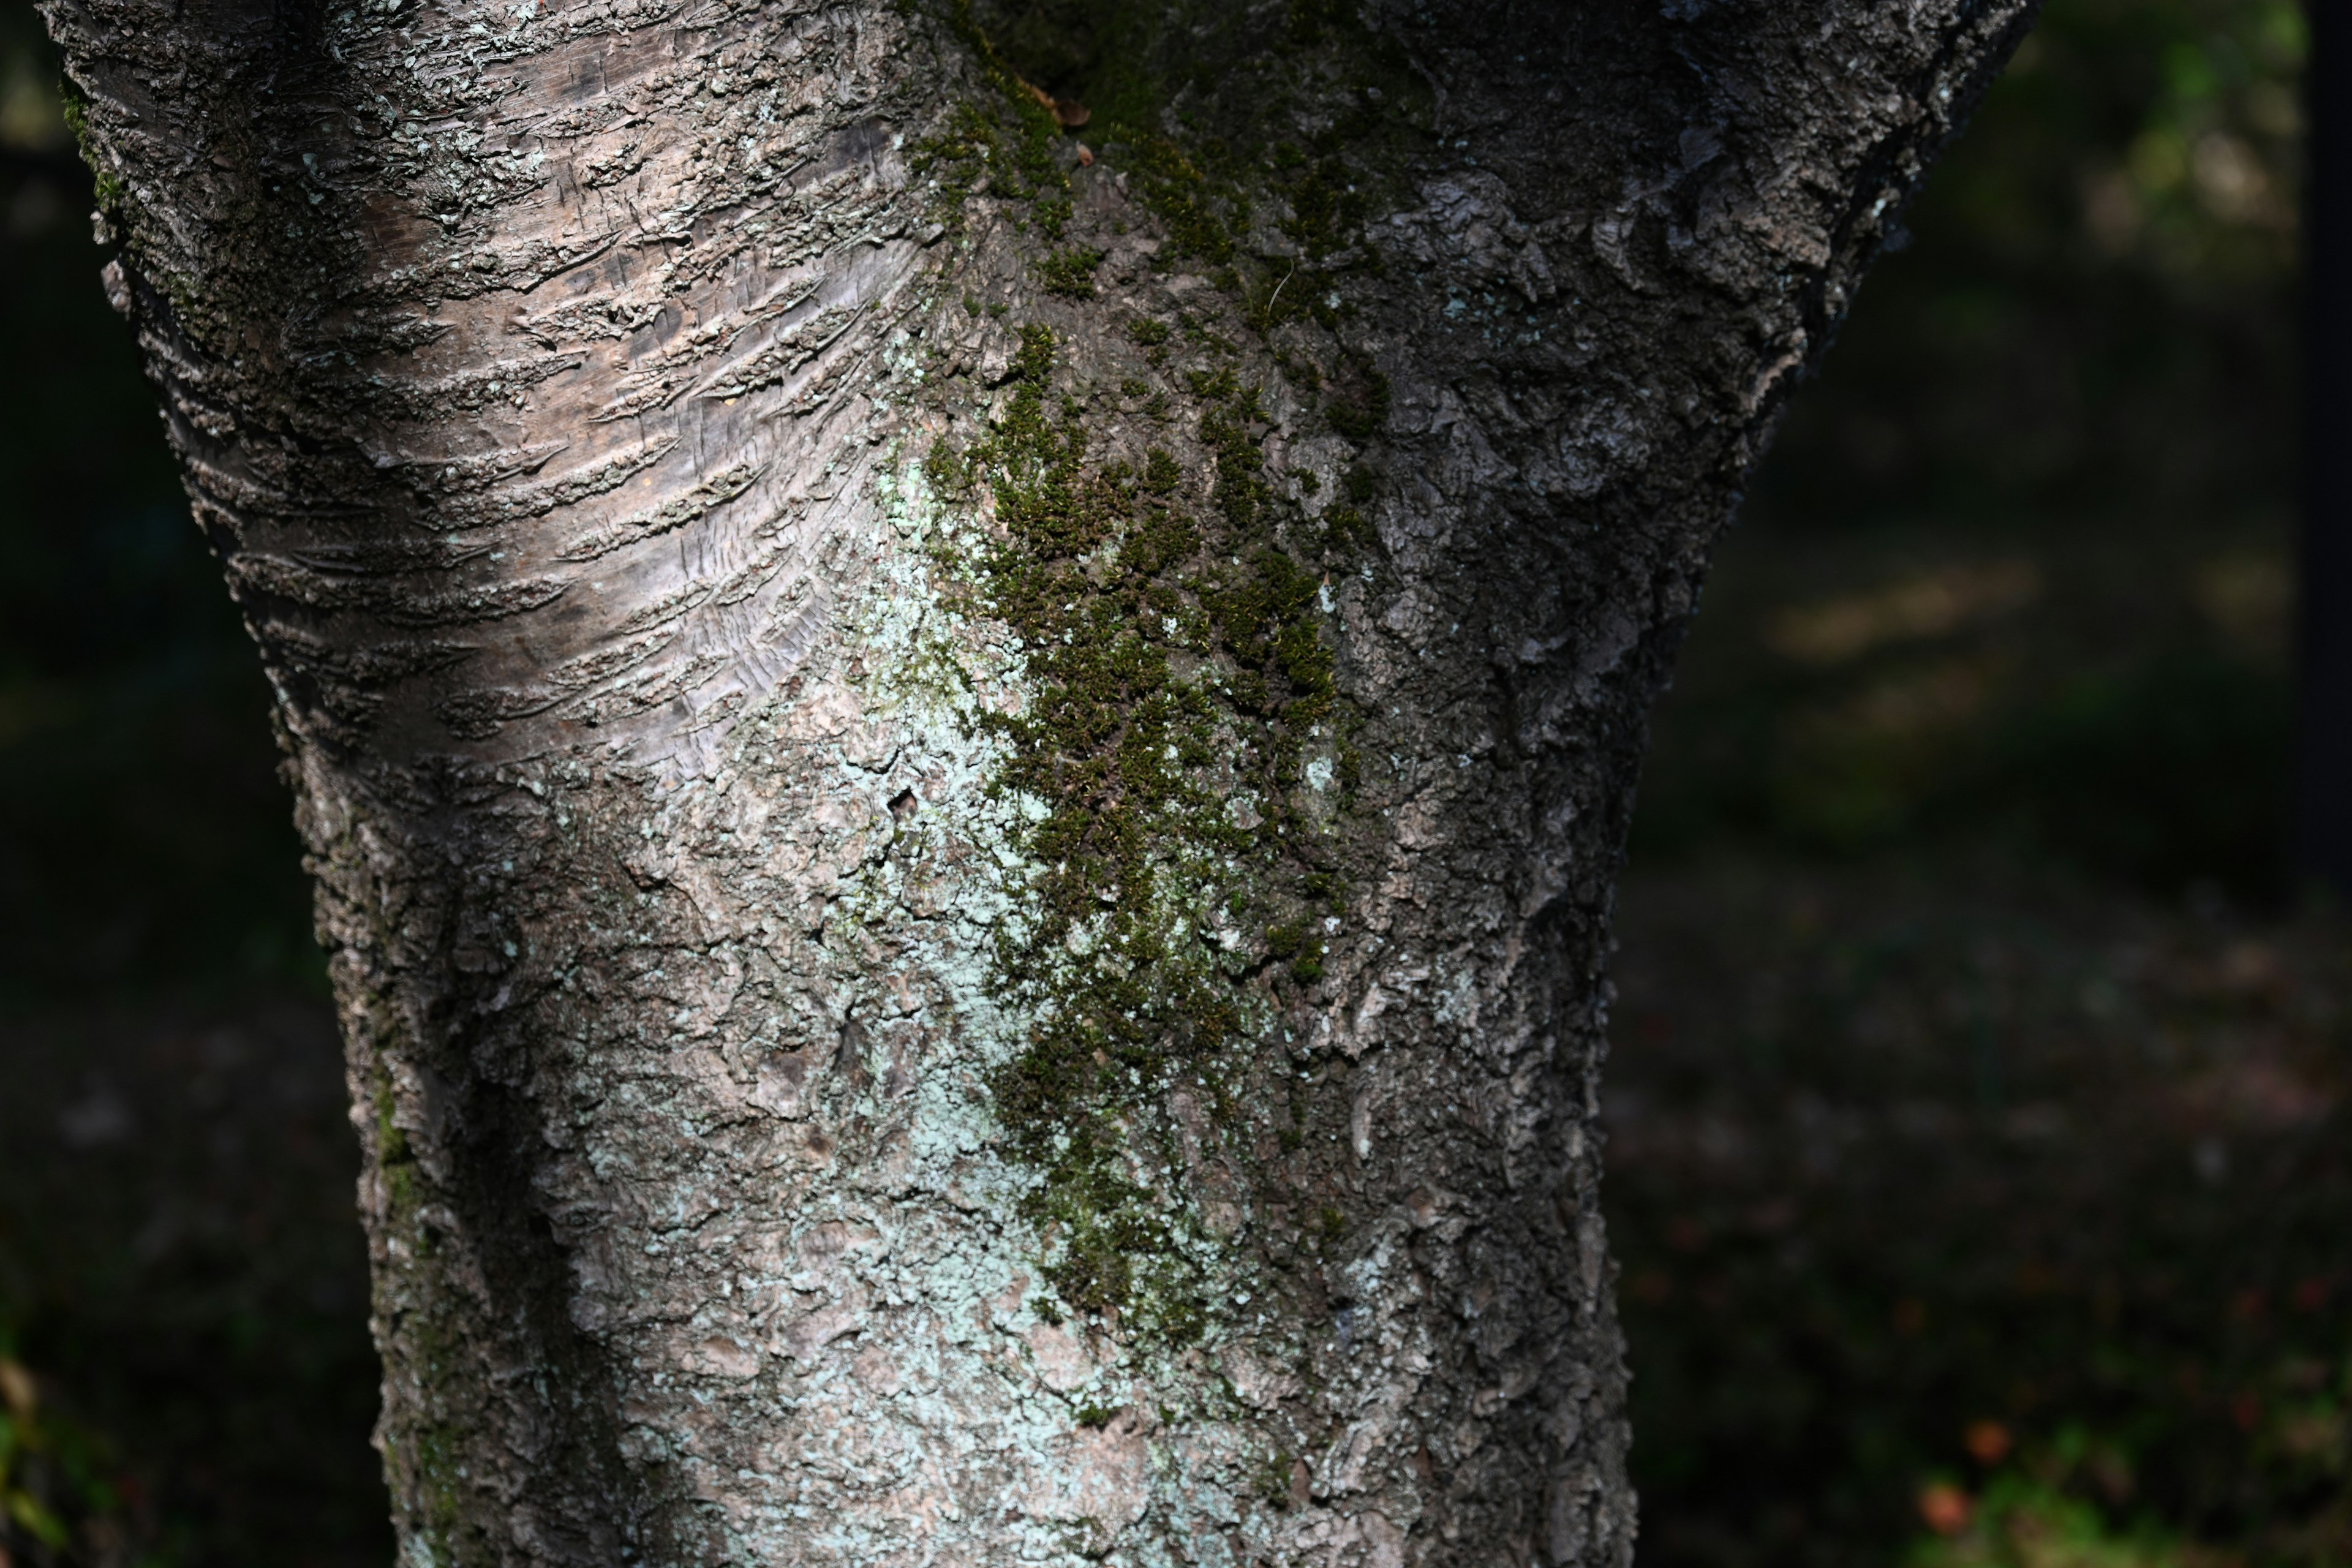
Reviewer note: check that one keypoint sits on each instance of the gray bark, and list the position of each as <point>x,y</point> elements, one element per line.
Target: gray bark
<point>961,942</point>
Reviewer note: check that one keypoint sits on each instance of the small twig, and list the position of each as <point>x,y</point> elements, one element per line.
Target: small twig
<point>1270,299</point>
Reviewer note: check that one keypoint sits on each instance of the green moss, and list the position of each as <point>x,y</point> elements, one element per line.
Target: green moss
<point>439,1480</point>
<point>1200,215</point>
<point>1009,139</point>
<point>106,186</point>
<point>968,148</point>
<point>1272,1482</point>
<point>1170,629</point>
<point>1248,78</point>
<point>403,1185</point>
<point>1176,662</point>
<point>1070,273</point>
<point>945,470</point>
<point>1346,527</point>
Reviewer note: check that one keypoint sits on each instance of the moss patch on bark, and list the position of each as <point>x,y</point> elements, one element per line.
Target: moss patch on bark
<point>1178,681</point>
<point>1183,765</point>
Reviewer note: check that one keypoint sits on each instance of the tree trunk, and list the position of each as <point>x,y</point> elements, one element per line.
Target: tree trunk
<point>964,780</point>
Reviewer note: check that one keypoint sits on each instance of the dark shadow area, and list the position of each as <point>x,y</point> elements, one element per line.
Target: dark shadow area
<point>1978,1157</point>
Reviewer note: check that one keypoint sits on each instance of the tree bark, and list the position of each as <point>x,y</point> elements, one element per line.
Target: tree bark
<point>965,792</point>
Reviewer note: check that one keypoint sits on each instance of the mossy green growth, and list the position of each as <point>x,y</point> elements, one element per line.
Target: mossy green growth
<point>439,1477</point>
<point>1271,1484</point>
<point>1009,138</point>
<point>1219,116</point>
<point>1070,273</point>
<point>1358,408</point>
<point>1201,213</point>
<point>397,1163</point>
<point>106,186</point>
<point>1177,674</point>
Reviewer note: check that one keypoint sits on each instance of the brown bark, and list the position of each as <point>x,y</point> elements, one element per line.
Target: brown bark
<point>961,942</point>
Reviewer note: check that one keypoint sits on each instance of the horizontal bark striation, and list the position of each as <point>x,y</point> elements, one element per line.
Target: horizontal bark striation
<point>518,362</point>
<point>964,803</point>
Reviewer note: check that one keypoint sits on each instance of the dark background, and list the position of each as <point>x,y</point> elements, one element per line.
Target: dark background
<point>1979,1155</point>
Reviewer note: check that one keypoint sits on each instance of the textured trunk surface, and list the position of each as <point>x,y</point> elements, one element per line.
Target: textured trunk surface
<point>964,795</point>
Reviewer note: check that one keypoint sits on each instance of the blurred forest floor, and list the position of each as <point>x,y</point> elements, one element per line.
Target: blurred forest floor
<point>1979,1160</point>
<point>1980,1163</point>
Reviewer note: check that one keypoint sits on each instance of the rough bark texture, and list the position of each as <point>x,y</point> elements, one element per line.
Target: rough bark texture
<point>964,801</point>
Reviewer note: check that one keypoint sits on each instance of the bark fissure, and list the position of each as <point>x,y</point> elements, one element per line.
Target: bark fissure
<point>740,513</point>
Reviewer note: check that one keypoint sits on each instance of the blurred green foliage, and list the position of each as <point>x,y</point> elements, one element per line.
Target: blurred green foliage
<point>2023,1524</point>
<point>55,1487</point>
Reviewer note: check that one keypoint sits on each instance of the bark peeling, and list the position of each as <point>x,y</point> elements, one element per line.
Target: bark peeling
<point>964,800</point>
